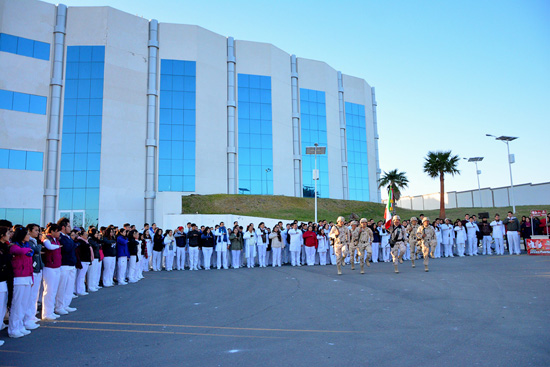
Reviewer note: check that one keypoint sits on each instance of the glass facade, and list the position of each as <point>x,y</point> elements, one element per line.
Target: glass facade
<point>313,118</point>
<point>177,125</point>
<point>21,216</point>
<point>255,153</point>
<point>81,138</point>
<point>22,102</point>
<point>358,168</point>
<point>24,46</point>
<point>21,159</point>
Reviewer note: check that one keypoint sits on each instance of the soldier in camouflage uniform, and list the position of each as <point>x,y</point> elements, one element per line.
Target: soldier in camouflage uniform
<point>397,241</point>
<point>354,232</point>
<point>341,236</point>
<point>365,244</point>
<point>412,228</point>
<point>427,239</point>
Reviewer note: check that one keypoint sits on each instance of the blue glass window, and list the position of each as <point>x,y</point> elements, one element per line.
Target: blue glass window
<point>22,102</point>
<point>255,153</point>
<point>358,168</point>
<point>313,123</point>
<point>81,138</point>
<point>177,125</point>
<point>24,46</point>
<point>21,216</point>
<point>21,159</point>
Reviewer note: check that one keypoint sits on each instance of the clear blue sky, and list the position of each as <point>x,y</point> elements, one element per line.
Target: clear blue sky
<point>446,72</point>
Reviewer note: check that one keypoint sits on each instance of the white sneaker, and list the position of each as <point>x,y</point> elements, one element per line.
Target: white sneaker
<point>49,318</point>
<point>122,283</point>
<point>1,343</point>
<point>83,294</point>
<point>92,289</point>
<point>75,296</point>
<point>70,309</point>
<point>24,331</point>
<point>31,326</point>
<point>3,326</point>
<point>61,312</point>
<point>17,335</point>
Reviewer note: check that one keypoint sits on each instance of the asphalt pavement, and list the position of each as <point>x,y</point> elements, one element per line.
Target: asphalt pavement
<point>480,311</point>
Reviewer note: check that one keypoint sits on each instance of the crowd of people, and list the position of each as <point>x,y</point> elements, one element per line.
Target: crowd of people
<point>50,266</point>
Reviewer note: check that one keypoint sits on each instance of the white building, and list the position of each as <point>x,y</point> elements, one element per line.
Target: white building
<point>110,117</point>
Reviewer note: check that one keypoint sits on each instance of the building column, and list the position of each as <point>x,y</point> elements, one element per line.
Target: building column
<point>56,86</point>
<point>376,138</point>
<point>343,141</point>
<point>231,109</point>
<point>151,142</point>
<point>297,152</point>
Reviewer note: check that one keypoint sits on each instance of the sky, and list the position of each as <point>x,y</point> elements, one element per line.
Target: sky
<point>446,72</point>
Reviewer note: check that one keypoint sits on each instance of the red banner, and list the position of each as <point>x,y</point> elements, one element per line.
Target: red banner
<point>538,213</point>
<point>538,247</point>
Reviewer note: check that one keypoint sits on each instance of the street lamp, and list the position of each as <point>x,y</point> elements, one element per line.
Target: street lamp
<point>267,170</point>
<point>478,172</point>
<point>511,159</point>
<point>316,149</point>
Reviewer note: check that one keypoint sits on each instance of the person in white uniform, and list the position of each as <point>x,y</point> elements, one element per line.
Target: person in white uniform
<point>471,230</point>
<point>447,237</point>
<point>438,237</point>
<point>322,248</point>
<point>277,245</point>
<point>169,249</point>
<point>295,244</point>
<point>460,238</point>
<point>222,242</point>
<point>52,269</point>
<point>384,243</point>
<point>261,241</point>
<point>498,235</point>
<point>250,245</point>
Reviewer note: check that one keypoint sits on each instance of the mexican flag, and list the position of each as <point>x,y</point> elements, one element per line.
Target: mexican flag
<point>389,209</point>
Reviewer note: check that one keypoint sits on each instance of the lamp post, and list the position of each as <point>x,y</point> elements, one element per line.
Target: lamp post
<point>478,172</point>
<point>511,159</point>
<point>316,149</point>
<point>267,170</point>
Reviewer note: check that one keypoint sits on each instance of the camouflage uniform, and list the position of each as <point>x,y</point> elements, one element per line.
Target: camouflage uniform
<point>397,236</point>
<point>427,239</point>
<point>365,245</point>
<point>412,230</point>
<point>341,236</point>
<point>353,246</point>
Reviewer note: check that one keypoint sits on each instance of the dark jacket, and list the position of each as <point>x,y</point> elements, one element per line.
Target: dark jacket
<point>236,241</point>
<point>95,246</point>
<point>208,240</point>
<point>511,224</point>
<point>193,237</point>
<point>122,247</point>
<point>6,270</point>
<point>158,243</point>
<point>109,247</point>
<point>485,228</point>
<point>83,251</point>
<point>37,264</point>
<point>68,250</point>
<point>133,247</point>
<point>526,231</point>
<point>180,239</point>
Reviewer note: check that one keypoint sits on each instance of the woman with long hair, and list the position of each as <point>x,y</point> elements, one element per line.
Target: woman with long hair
<point>122,255</point>
<point>95,268</point>
<point>6,270</point>
<point>158,246</point>
<point>85,257</point>
<point>108,245</point>
<point>207,245</point>
<point>133,245</point>
<point>322,248</point>
<point>147,251</point>
<point>249,238</point>
<point>310,243</point>
<point>277,244</point>
<point>52,265</point>
<point>236,239</point>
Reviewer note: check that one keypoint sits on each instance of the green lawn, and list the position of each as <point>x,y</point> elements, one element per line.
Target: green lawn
<point>302,209</point>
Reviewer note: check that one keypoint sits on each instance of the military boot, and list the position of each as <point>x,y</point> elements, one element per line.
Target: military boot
<point>352,263</point>
<point>368,261</point>
<point>339,267</point>
<point>426,268</point>
<point>363,268</point>
<point>395,267</point>
<point>412,261</point>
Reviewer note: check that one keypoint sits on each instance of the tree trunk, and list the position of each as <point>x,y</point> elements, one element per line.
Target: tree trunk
<point>441,196</point>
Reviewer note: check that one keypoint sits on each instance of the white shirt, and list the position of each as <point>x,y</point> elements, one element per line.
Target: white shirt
<point>498,229</point>
<point>259,239</point>
<point>460,235</point>
<point>295,239</point>
<point>323,243</point>
<point>471,228</point>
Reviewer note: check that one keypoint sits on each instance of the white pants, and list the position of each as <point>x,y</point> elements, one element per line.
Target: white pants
<point>262,251</point>
<point>108,270</point>
<point>180,258</point>
<point>310,255</point>
<point>32,307</point>
<point>513,242</point>
<point>92,273</point>
<point>276,256</point>
<point>375,246</point>
<point>460,249</point>
<point>19,303</point>
<point>194,258</point>
<point>168,260</point>
<point>449,250</point>
<point>81,277</point>
<point>122,264</point>
<point>323,258</point>
<point>207,254</point>
<point>3,300</point>
<point>66,287</point>
<point>499,246</point>
<point>147,262</point>
<point>332,256</point>
<point>236,258</point>
<point>472,245</point>
<point>157,260</point>
<point>386,253</point>
<point>486,243</point>
<point>437,251</point>
<point>222,257</point>
<point>51,284</point>
<point>407,255</point>
<point>132,274</point>
<point>295,258</point>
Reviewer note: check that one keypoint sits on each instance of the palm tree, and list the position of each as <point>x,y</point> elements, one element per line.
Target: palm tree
<point>394,180</point>
<point>438,164</point>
